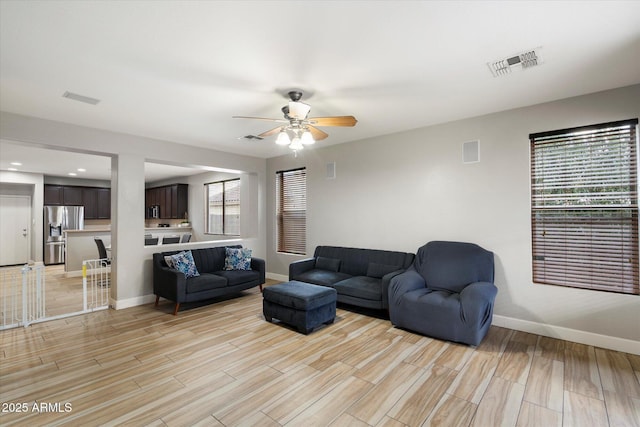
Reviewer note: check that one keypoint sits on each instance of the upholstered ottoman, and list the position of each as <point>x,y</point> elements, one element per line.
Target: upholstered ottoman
<point>298,304</point>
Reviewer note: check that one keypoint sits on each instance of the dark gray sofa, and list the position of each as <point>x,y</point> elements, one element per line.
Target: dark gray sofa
<point>447,293</point>
<point>360,276</point>
<point>213,281</point>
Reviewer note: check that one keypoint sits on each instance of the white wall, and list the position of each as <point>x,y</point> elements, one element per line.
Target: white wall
<point>400,191</point>
<point>131,269</point>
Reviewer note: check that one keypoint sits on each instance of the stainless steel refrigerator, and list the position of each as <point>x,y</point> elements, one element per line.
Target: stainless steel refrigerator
<point>57,220</point>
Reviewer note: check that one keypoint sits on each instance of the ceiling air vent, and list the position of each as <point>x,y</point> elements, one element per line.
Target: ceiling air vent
<point>522,61</point>
<point>81,98</point>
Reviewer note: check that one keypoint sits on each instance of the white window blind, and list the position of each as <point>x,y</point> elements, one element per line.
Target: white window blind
<point>584,207</point>
<point>291,210</point>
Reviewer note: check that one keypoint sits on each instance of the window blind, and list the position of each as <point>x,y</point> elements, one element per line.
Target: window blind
<point>584,207</point>
<point>291,210</point>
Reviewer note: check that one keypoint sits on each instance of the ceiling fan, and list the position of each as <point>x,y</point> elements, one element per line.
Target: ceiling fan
<point>298,130</point>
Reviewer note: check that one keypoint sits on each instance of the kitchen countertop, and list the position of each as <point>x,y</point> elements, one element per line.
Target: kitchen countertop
<point>167,228</point>
<point>89,231</point>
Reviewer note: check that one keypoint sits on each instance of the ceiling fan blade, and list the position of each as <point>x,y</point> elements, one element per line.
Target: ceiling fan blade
<point>317,133</point>
<point>261,118</point>
<point>270,132</point>
<point>333,121</point>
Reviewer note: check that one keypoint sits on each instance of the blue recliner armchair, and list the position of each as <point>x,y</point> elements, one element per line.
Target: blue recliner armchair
<point>447,293</point>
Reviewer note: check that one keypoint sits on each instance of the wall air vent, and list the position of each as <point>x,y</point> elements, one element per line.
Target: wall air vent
<point>250,137</point>
<point>81,98</point>
<point>521,61</point>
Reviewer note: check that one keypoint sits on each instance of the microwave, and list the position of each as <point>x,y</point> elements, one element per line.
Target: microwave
<point>154,211</point>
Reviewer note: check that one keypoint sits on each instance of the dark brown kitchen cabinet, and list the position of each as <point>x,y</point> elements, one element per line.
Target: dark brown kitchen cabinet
<point>90,202</point>
<point>104,203</point>
<point>96,200</point>
<point>172,201</point>
<point>53,195</point>
<point>72,196</point>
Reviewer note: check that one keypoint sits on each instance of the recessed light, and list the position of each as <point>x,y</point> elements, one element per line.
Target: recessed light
<point>81,170</point>
<point>16,163</point>
<point>72,174</point>
<point>12,169</point>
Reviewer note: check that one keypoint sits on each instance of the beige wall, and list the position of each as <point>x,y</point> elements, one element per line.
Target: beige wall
<point>400,191</point>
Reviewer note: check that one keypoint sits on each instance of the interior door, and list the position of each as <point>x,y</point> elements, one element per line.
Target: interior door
<point>15,231</point>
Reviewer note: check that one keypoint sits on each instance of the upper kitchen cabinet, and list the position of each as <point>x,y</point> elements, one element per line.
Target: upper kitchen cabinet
<point>53,195</point>
<point>72,196</point>
<point>171,201</point>
<point>104,203</point>
<point>97,203</point>
<point>96,200</point>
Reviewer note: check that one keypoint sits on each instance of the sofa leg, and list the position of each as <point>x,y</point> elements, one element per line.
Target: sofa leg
<point>260,288</point>
<point>157,299</point>
<point>175,310</point>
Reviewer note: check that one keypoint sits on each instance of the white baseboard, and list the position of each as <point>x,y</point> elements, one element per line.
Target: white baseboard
<point>133,302</point>
<point>280,277</point>
<point>567,334</point>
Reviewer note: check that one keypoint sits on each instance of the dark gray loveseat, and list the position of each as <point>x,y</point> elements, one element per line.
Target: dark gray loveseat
<point>360,276</point>
<point>213,281</point>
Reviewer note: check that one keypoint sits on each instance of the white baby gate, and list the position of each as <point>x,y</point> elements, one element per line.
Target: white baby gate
<point>23,293</point>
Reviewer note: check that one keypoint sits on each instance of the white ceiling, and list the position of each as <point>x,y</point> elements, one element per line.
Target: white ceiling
<point>178,71</point>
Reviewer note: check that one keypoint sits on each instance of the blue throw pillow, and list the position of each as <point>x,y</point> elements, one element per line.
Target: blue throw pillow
<point>184,263</point>
<point>237,259</point>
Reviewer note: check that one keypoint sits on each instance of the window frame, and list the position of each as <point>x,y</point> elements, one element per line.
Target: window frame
<point>287,243</point>
<point>224,206</point>
<point>584,207</point>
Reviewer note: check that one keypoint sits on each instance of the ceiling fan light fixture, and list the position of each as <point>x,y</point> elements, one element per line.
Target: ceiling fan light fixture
<point>307,138</point>
<point>283,138</point>
<point>296,144</point>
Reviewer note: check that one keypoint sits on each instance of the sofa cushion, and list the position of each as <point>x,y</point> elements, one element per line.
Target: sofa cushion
<point>360,287</point>
<point>330,264</point>
<point>209,260</point>
<point>321,277</point>
<point>204,282</point>
<point>236,277</point>
<point>237,259</point>
<point>355,261</point>
<point>184,263</point>
<point>378,270</point>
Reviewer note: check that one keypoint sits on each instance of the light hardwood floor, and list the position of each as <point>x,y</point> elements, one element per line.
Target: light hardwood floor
<point>222,364</point>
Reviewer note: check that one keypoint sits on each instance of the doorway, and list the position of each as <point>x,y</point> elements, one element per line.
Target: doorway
<point>15,229</point>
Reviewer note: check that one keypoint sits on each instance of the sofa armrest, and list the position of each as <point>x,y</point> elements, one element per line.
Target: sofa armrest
<point>169,283</point>
<point>386,281</point>
<point>476,302</point>
<point>300,266</point>
<point>405,282</point>
<point>259,265</point>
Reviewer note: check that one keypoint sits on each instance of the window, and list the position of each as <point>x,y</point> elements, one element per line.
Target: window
<point>584,207</point>
<point>291,211</point>
<point>223,207</point>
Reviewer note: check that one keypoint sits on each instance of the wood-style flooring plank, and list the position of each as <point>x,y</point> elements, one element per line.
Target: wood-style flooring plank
<point>582,411</point>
